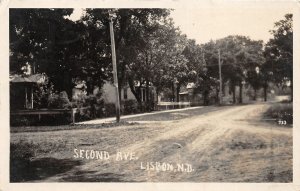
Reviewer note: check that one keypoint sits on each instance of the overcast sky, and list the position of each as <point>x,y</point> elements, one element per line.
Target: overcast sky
<point>206,24</point>
<point>214,23</point>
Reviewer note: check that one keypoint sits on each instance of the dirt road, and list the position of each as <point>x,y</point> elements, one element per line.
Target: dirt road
<point>229,144</point>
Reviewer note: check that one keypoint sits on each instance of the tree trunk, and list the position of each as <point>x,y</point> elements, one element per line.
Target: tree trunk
<point>254,98</point>
<point>233,94</point>
<point>89,88</point>
<point>291,91</point>
<point>136,92</point>
<point>173,93</point>
<point>205,97</point>
<point>148,104</point>
<point>217,95</point>
<point>177,92</point>
<point>147,91</point>
<point>265,92</point>
<point>67,84</point>
<point>241,93</point>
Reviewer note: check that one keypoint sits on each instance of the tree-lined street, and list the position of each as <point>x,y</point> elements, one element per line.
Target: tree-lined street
<point>235,94</point>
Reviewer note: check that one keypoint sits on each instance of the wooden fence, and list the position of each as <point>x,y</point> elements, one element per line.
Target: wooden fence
<point>172,105</point>
<point>41,112</point>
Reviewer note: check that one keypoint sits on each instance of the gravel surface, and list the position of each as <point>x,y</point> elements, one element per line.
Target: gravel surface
<point>225,144</point>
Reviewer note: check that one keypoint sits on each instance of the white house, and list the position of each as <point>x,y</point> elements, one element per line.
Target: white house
<point>109,94</point>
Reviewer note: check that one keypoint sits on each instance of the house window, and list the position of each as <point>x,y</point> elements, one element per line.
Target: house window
<point>125,93</point>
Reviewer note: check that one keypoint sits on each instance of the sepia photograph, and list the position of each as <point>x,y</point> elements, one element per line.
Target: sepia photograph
<point>185,94</point>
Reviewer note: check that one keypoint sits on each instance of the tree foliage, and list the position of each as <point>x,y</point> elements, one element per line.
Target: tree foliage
<point>151,51</point>
<point>239,56</point>
<point>279,53</point>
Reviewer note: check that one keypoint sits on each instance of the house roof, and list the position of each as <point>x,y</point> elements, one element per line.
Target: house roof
<point>190,85</point>
<point>21,79</point>
<point>186,89</point>
<point>183,93</point>
<point>35,78</point>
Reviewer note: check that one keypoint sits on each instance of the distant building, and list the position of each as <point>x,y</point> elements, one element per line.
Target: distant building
<point>109,94</point>
<point>22,88</point>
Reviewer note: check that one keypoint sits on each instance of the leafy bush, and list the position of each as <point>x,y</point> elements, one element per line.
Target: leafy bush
<point>41,95</point>
<point>130,107</point>
<point>59,101</point>
<point>34,120</point>
<point>281,112</point>
<point>90,107</point>
<point>19,121</point>
<point>93,106</point>
<point>109,110</point>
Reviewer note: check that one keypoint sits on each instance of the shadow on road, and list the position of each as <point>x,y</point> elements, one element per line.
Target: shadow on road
<point>93,176</point>
<point>25,170</point>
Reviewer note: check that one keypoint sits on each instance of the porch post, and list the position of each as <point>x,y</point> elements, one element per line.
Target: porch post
<point>31,97</point>
<point>25,97</point>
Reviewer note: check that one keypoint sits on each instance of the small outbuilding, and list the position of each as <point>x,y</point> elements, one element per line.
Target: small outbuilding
<point>22,90</point>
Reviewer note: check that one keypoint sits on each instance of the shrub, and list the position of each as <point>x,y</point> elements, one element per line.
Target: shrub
<point>19,121</point>
<point>281,111</point>
<point>109,110</point>
<point>90,107</point>
<point>93,106</point>
<point>34,120</point>
<point>59,101</point>
<point>41,94</point>
<point>130,107</point>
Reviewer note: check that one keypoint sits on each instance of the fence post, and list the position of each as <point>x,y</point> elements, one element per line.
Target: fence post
<point>73,111</point>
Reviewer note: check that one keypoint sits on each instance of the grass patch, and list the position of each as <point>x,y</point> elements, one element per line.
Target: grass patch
<point>25,165</point>
<point>175,115</point>
<point>282,112</point>
<point>67,127</point>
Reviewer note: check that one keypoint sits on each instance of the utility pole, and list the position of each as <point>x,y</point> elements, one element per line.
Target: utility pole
<point>220,76</point>
<point>114,62</point>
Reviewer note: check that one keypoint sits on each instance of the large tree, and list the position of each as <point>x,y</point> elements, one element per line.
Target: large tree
<point>150,65</point>
<point>62,49</point>
<point>160,61</point>
<point>254,62</point>
<point>279,53</point>
<point>239,55</point>
<point>130,28</point>
<point>201,65</point>
<point>36,36</point>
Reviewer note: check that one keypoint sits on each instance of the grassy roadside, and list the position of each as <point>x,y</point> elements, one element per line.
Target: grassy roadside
<point>176,115</point>
<point>67,127</point>
<point>153,117</point>
<point>281,112</point>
